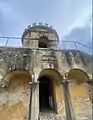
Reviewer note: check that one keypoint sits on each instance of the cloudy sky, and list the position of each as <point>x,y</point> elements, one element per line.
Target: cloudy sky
<point>71,18</point>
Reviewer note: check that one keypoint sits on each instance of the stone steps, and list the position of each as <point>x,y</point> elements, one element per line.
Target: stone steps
<point>49,116</point>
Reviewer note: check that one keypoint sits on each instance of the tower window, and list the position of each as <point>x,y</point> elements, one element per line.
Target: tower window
<point>43,42</point>
<point>42,45</point>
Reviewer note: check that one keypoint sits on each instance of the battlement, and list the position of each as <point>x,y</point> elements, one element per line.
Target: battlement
<point>40,24</point>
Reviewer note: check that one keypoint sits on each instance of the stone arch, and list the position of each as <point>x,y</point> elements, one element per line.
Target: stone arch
<point>52,73</point>
<point>78,74</point>
<point>56,88</point>
<point>16,95</point>
<point>19,74</point>
<point>79,90</point>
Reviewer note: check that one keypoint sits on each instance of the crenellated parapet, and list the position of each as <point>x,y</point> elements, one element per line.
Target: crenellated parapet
<point>40,25</point>
<point>40,35</point>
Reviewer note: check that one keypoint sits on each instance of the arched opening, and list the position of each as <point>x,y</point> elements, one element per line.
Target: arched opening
<point>16,101</point>
<point>79,90</point>
<point>42,45</point>
<point>46,95</point>
<point>19,74</point>
<point>50,90</point>
<point>78,74</point>
<point>43,42</point>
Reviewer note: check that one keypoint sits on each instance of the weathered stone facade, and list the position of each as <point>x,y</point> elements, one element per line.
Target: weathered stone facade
<point>20,71</point>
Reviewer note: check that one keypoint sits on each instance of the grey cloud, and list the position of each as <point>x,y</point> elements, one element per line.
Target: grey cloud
<point>80,34</point>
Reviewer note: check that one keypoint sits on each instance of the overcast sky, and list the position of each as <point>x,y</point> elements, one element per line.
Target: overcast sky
<point>71,18</point>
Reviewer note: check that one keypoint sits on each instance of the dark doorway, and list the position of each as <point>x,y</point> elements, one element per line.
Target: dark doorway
<point>43,42</point>
<point>46,97</point>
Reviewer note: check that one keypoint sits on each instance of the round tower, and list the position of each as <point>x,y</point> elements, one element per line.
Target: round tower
<point>39,35</point>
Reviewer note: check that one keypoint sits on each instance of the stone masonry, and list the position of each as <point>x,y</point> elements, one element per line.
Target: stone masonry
<point>20,69</point>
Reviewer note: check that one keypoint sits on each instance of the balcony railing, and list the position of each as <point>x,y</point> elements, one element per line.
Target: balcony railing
<point>63,45</point>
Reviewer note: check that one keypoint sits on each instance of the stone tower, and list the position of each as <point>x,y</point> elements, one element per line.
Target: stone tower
<point>39,81</point>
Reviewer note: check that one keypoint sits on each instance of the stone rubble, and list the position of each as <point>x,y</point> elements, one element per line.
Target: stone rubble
<point>46,116</point>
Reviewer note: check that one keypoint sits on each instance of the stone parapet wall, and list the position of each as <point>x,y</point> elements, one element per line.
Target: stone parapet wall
<point>15,59</point>
<point>76,59</point>
<point>27,59</point>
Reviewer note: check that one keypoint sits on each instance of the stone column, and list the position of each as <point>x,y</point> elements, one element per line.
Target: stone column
<point>35,102</point>
<point>30,104</point>
<point>68,104</point>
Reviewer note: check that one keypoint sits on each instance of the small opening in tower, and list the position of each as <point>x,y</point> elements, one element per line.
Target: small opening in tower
<point>42,45</point>
<point>43,42</point>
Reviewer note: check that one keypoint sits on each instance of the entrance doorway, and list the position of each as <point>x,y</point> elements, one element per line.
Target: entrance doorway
<point>46,94</point>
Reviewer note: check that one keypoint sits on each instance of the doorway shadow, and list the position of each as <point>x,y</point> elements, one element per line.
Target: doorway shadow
<point>46,95</point>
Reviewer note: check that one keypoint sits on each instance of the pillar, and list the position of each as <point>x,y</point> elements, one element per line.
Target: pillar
<point>35,102</point>
<point>68,104</point>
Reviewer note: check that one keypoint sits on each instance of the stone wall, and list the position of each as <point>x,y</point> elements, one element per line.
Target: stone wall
<point>63,60</point>
<point>76,59</point>
<point>33,60</point>
<point>15,59</point>
<point>14,100</point>
<point>80,100</point>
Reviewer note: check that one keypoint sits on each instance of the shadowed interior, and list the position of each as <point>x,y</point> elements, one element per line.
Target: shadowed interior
<point>46,96</point>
